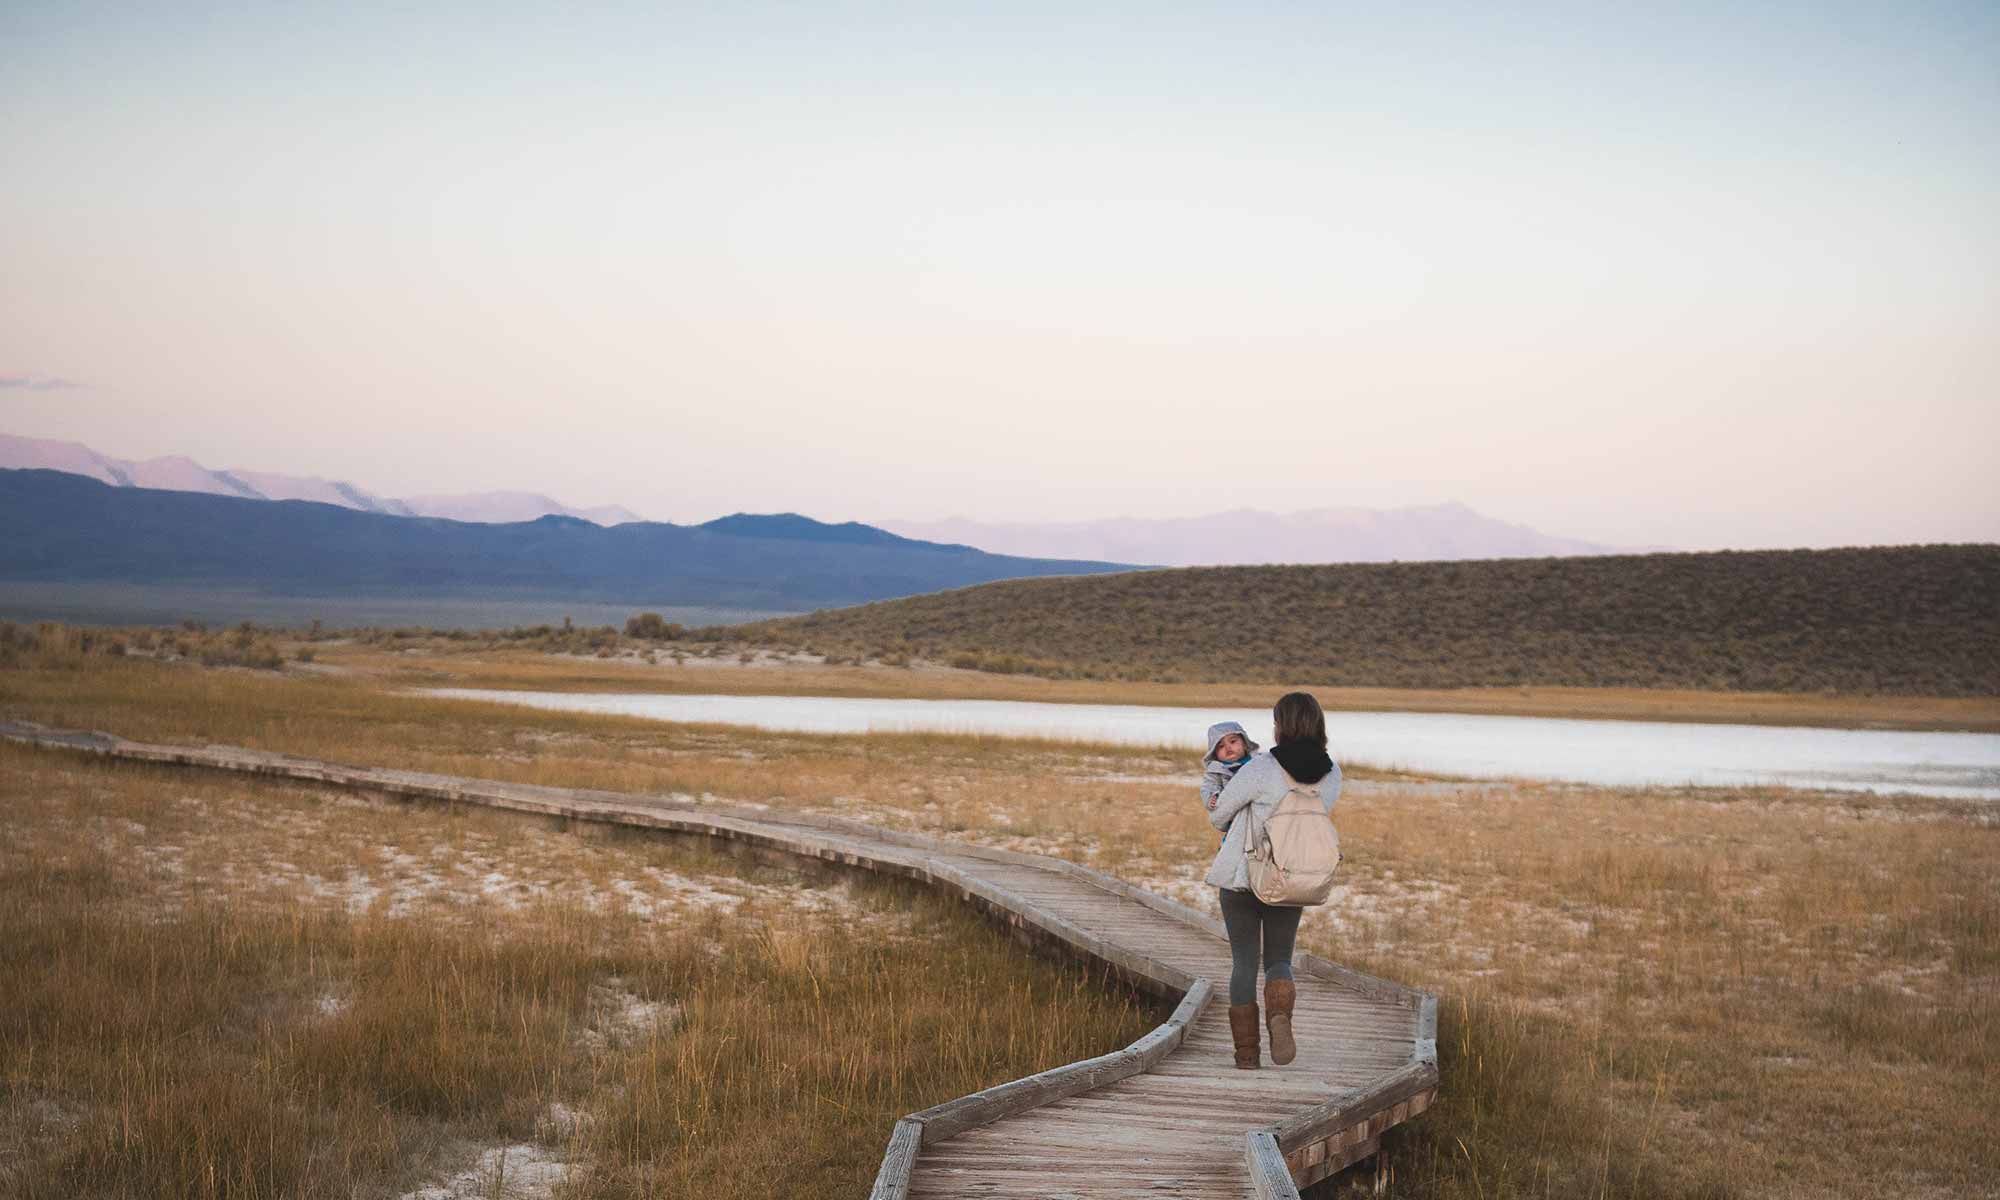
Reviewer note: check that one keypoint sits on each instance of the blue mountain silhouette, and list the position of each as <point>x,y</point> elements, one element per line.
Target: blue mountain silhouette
<point>64,527</point>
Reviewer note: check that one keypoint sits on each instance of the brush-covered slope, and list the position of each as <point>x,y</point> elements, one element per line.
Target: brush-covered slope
<point>1921,620</point>
<point>70,528</point>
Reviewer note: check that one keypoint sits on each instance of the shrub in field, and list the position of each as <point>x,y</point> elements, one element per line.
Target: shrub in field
<point>652,626</point>
<point>49,645</point>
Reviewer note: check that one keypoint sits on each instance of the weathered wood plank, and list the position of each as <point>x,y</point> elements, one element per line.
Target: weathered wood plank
<point>1080,1185</point>
<point>1348,977</point>
<point>1270,1178</point>
<point>1169,1036</point>
<point>1330,1160</point>
<point>1054,1163</point>
<point>1112,1107</point>
<point>892,1181</point>
<point>1221,1089</point>
<point>1427,1030</point>
<point>1343,1111</point>
<point>1099,1138</point>
<point>954,1117</point>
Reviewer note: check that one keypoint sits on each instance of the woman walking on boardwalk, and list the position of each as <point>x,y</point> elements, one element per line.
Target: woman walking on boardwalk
<point>1298,759</point>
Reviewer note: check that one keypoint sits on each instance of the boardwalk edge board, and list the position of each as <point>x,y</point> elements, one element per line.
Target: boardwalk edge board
<point>954,1117</point>
<point>1270,1178</point>
<point>1168,1036</point>
<point>1427,1030</point>
<point>892,1182</point>
<point>1281,1157</point>
<point>1346,1128</point>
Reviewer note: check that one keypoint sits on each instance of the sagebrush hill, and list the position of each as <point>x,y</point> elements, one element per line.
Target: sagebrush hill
<point>1918,620</point>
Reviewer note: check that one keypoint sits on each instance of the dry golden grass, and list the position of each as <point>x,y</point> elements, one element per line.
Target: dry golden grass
<point>1795,994</point>
<point>1648,992</point>
<point>220,987</point>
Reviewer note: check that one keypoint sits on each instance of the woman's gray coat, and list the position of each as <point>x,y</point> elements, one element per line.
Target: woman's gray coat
<point>1252,797</point>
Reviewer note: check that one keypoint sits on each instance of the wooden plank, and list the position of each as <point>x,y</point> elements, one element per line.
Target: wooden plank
<point>892,1181</point>
<point>1194,1087</point>
<point>954,1117</point>
<point>1427,1031</point>
<point>1322,1061</point>
<point>1114,1108</point>
<point>1099,1138</point>
<point>1343,1111</point>
<point>1111,1106</point>
<point>1330,1161</point>
<point>1270,1178</point>
<point>1155,1046</point>
<point>1348,977</point>
<point>1222,1154</point>
<point>1176,1118</point>
<point>1173,909</point>
<point>1335,1029</point>
<point>1053,1164</point>
<point>1080,1185</point>
<point>1319,1018</point>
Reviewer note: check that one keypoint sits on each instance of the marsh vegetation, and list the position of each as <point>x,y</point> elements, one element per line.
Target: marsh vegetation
<point>222,988</point>
<point>1647,992</point>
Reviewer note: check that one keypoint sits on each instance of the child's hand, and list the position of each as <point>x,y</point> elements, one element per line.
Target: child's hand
<point>1212,800</point>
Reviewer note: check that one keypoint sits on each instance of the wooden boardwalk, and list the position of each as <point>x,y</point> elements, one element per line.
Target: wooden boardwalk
<point>1168,1116</point>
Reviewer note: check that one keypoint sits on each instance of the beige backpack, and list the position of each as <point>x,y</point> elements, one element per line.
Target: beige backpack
<point>1293,857</point>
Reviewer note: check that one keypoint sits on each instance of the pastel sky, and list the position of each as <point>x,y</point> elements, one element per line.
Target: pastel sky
<point>1712,275</point>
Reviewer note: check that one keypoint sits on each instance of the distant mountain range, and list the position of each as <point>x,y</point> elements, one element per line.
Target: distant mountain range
<point>1250,537</point>
<point>179,474</point>
<point>1242,537</point>
<point>63,527</point>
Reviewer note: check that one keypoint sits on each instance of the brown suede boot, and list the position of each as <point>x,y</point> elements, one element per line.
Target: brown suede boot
<point>1243,1031</point>
<point>1278,997</point>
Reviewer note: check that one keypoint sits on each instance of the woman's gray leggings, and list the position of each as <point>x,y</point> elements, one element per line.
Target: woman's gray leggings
<point>1250,921</point>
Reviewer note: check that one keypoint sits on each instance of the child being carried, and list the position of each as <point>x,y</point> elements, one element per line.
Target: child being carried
<point>1228,749</point>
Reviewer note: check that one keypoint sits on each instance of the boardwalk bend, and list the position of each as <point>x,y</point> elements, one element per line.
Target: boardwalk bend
<point>1168,1115</point>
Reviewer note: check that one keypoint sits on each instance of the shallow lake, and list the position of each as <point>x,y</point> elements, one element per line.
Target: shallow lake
<point>1962,765</point>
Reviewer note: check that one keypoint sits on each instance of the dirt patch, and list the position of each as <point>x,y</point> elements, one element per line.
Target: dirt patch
<point>516,1171</point>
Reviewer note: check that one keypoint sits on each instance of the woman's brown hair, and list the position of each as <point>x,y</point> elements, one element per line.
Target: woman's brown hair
<point>1296,718</point>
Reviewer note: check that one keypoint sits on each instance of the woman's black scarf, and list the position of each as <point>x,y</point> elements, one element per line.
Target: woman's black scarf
<point>1306,762</point>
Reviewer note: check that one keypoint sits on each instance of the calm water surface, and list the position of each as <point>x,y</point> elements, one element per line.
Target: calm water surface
<point>1618,753</point>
